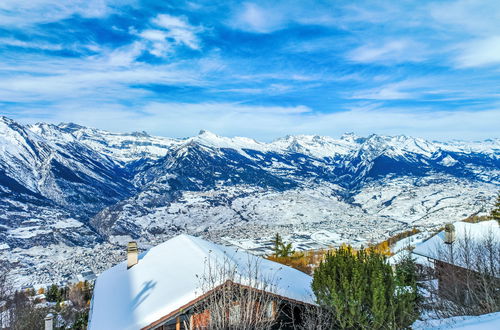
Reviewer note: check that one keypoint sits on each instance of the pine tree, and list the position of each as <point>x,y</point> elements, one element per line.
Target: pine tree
<point>53,293</point>
<point>281,249</point>
<point>286,250</point>
<point>277,244</point>
<point>407,293</point>
<point>361,290</point>
<point>495,213</point>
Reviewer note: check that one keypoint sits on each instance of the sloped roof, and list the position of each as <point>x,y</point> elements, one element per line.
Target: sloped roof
<point>167,278</point>
<point>436,248</point>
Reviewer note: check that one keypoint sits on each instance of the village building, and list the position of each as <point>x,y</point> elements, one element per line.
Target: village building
<point>166,287</point>
<point>88,276</point>
<point>462,256</point>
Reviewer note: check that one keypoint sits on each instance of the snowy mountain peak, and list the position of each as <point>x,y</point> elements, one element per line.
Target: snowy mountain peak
<point>55,180</point>
<point>5,120</point>
<point>205,132</point>
<point>350,137</point>
<point>71,126</point>
<point>140,134</point>
<point>238,143</point>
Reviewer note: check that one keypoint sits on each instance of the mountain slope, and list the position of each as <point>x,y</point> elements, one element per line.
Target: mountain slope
<point>49,181</point>
<point>145,186</point>
<point>67,185</point>
<point>209,182</point>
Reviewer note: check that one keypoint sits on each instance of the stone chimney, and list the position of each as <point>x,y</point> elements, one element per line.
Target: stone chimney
<point>132,254</point>
<point>449,233</point>
<point>49,322</point>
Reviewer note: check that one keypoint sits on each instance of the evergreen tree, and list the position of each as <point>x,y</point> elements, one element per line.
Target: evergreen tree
<point>495,213</point>
<point>281,249</point>
<point>53,293</point>
<point>361,290</point>
<point>407,291</point>
<point>278,242</point>
<point>285,250</point>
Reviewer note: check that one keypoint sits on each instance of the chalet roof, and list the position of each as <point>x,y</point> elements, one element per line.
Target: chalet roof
<point>476,233</point>
<point>167,277</point>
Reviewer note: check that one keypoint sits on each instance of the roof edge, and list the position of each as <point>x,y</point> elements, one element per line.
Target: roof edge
<point>206,294</point>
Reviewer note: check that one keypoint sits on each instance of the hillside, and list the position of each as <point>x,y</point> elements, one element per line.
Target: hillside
<point>67,185</point>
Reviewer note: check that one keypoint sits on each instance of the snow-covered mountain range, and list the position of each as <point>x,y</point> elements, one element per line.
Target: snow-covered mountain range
<point>77,186</point>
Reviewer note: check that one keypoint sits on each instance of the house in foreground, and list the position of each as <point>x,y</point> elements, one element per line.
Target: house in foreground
<point>466,259</point>
<point>180,284</point>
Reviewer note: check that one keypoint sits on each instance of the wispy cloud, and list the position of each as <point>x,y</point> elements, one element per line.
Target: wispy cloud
<point>179,29</point>
<point>267,123</point>
<point>24,13</point>
<point>167,32</point>
<point>390,52</point>
<point>477,53</point>
<point>266,17</point>
<point>254,68</point>
<point>29,44</point>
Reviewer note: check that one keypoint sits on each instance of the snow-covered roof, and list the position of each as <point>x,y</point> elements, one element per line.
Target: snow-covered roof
<point>167,277</point>
<point>437,249</point>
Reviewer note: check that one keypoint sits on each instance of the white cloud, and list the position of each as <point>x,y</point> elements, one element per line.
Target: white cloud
<point>23,13</point>
<point>171,22</point>
<point>472,28</point>
<point>267,123</point>
<point>108,76</point>
<point>481,52</point>
<point>392,51</point>
<point>153,35</point>
<point>158,44</point>
<point>479,18</point>
<point>406,89</point>
<point>178,29</point>
<point>167,32</point>
<point>29,44</point>
<point>125,55</point>
<point>253,17</point>
<point>270,16</point>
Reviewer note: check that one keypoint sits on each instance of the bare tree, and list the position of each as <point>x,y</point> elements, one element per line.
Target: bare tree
<point>314,318</point>
<point>3,296</point>
<point>237,298</point>
<point>469,276</point>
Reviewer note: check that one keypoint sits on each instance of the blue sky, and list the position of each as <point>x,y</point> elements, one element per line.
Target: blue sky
<point>261,69</point>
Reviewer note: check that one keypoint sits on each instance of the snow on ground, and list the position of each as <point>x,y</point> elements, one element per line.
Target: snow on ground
<point>473,232</point>
<point>328,237</point>
<point>28,232</point>
<point>67,223</point>
<point>481,322</point>
<point>409,241</point>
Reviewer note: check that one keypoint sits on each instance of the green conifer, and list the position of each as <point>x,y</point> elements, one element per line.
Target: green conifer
<point>361,291</point>
<point>495,213</point>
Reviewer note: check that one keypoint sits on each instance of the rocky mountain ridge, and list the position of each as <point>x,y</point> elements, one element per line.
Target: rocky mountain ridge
<point>60,182</point>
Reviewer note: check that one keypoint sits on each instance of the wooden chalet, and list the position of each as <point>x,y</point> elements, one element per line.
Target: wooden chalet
<point>457,272</point>
<point>164,288</point>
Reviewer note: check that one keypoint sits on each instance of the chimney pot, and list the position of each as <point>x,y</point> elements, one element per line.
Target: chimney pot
<point>132,254</point>
<point>49,322</point>
<point>449,233</point>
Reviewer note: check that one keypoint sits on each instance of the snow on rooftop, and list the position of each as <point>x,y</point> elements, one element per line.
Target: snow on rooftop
<point>167,277</point>
<point>477,232</point>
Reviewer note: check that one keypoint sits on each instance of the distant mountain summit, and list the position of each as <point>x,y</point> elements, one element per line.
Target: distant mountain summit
<point>71,184</point>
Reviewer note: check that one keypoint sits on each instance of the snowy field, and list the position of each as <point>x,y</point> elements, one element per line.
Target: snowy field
<point>481,322</point>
